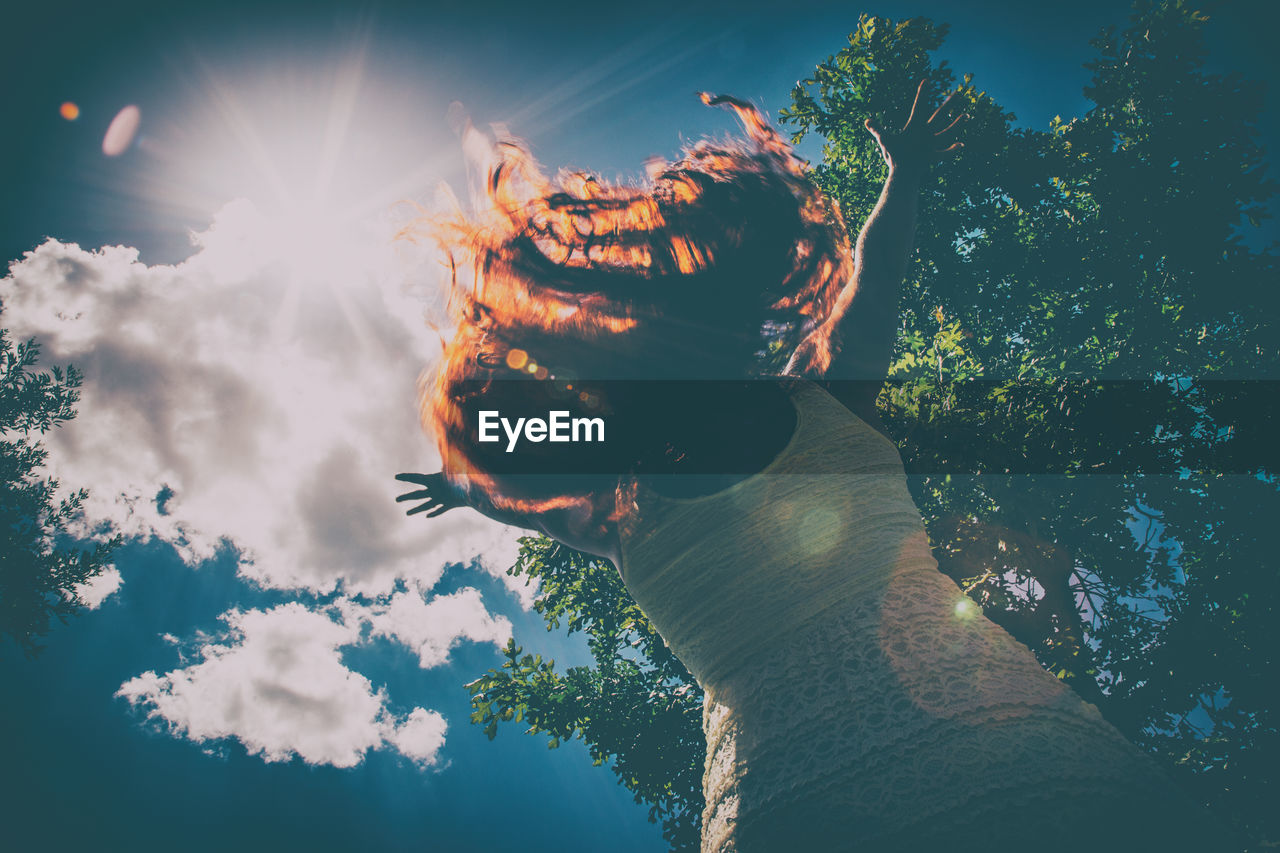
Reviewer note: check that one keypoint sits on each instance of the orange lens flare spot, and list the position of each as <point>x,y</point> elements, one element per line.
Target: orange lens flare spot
<point>69,111</point>
<point>517,359</point>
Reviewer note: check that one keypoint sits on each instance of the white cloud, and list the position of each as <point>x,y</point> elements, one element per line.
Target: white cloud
<point>264,393</point>
<point>275,398</point>
<point>432,628</point>
<point>420,736</point>
<point>276,682</point>
<point>99,588</point>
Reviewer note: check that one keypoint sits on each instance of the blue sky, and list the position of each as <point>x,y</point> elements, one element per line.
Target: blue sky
<point>262,377</point>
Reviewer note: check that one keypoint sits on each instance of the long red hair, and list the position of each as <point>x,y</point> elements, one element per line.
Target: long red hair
<point>717,266</point>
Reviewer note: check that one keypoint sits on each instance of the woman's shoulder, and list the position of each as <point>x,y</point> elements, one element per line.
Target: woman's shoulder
<point>838,398</point>
<point>808,431</point>
<point>832,414</point>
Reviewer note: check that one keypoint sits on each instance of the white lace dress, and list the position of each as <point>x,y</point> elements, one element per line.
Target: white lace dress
<point>855,698</point>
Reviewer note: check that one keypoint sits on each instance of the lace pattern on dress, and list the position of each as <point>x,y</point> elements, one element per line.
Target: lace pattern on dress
<point>850,702</point>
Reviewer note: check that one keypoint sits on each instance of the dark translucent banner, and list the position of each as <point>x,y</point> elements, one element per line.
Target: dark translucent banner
<point>1068,427</point>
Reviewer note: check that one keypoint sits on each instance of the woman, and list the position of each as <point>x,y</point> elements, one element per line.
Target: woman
<point>854,697</point>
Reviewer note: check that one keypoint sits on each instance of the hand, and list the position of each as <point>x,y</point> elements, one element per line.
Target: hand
<point>920,141</point>
<point>437,496</point>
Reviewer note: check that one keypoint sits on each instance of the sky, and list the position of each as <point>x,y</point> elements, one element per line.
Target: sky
<point>276,658</point>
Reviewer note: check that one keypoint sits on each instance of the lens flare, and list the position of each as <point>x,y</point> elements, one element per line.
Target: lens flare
<point>120,134</point>
<point>69,110</point>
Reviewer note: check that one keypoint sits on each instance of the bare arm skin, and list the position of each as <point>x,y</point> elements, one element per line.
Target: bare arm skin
<point>437,496</point>
<point>866,312</point>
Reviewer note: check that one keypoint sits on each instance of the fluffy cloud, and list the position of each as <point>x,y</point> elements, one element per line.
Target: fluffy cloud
<point>99,588</point>
<point>263,394</point>
<point>420,736</point>
<point>276,683</point>
<point>275,679</point>
<point>267,386</point>
<point>432,628</point>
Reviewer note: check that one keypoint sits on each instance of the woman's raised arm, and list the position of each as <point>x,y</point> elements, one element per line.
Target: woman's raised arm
<point>437,496</point>
<point>866,313</point>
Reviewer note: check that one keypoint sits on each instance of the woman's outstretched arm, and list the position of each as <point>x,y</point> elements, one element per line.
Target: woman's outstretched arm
<point>437,496</point>
<point>866,313</point>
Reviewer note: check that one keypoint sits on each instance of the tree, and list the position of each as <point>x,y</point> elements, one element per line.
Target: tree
<point>1081,324</point>
<point>637,708</point>
<point>39,571</point>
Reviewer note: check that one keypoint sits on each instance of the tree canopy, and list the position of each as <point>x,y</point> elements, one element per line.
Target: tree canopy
<point>40,567</point>
<point>1080,397</point>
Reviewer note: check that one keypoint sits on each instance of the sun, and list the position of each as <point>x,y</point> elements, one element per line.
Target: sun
<point>317,244</point>
<point>288,174</point>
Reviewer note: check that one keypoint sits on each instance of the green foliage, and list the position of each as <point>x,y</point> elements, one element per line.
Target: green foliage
<point>637,708</point>
<point>38,574</point>
<point>1094,276</point>
<point>1108,247</point>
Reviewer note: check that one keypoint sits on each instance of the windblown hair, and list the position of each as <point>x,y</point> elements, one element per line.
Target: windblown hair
<point>717,267</point>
